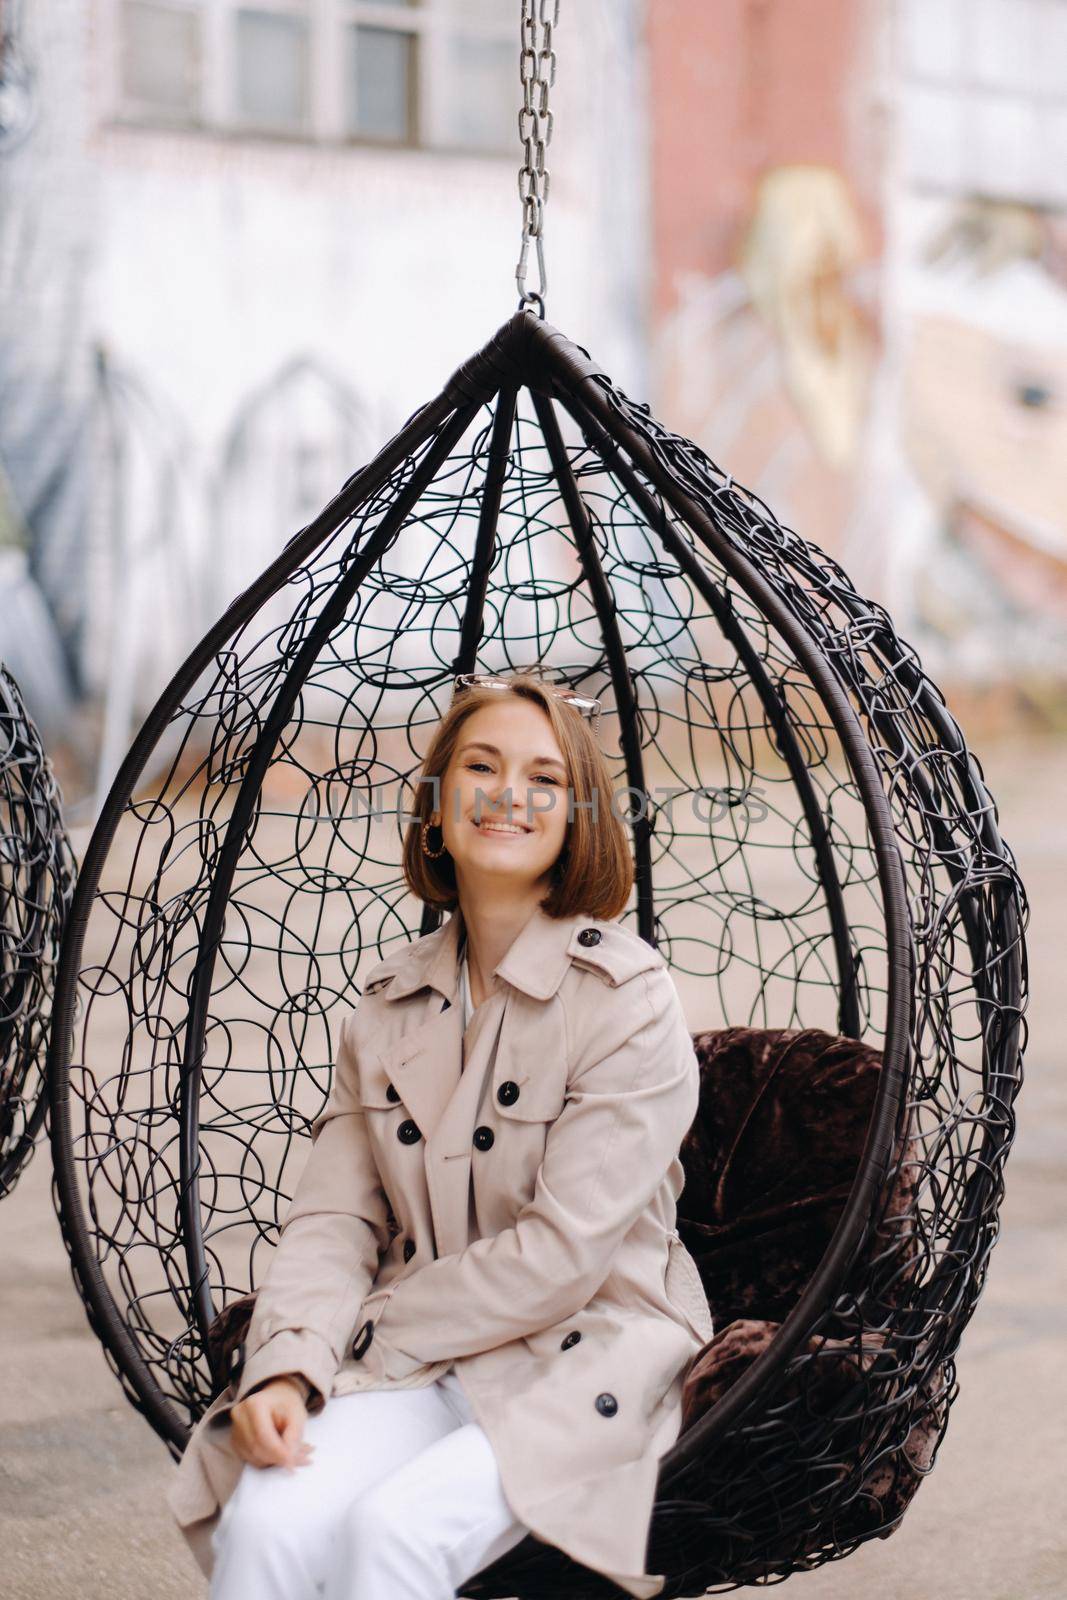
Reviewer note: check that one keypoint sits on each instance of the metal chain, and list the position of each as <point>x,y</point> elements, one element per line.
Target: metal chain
<point>537,74</point>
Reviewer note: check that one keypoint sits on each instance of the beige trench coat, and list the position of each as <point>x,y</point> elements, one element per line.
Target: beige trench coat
<point>570,1308</point>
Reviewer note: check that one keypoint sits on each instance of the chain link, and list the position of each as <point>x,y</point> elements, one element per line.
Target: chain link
<point>537,74</point>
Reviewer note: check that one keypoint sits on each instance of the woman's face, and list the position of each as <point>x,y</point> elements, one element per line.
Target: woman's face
<point>493,836</point>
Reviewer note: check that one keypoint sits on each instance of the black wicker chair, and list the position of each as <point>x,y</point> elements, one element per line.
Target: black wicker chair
<point>36,884</point>
<point>815,848</point>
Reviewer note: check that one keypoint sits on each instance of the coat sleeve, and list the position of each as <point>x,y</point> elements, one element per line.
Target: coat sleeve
<point>328,1249</point>
<point>621,1126</point>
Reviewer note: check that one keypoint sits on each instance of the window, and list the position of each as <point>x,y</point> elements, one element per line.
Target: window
<point>984,97</point>
<point>484,115</point>
<point>160,64</point>
<point>271,61</point>
<point>381,81</point>
<point>441,74</point>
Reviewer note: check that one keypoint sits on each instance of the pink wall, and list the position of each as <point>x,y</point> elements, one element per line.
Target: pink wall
<point>737,86</point>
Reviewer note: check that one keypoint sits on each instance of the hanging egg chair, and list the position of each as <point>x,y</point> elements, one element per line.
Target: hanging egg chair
<point>817,857</point>
<point>36,882</point>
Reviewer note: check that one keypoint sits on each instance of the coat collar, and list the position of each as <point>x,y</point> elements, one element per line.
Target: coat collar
<point>536,961</point>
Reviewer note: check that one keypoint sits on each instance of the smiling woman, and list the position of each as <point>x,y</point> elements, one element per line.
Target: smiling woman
<point>504,814</point>
<point>478,771</point>
<point>473,1271</point>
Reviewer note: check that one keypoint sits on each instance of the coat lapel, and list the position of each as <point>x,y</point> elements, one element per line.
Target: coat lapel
<point>510,1037</point>
<point>423,1065</point>
<point>449,1148</point>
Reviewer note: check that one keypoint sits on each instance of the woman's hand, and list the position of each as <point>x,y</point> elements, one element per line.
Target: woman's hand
<point>268,1425</point>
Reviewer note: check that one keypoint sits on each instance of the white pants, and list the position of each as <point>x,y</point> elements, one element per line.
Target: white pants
<point>401,1500</point>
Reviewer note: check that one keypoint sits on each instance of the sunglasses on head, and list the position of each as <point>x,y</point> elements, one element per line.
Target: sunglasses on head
<point>488,680</point>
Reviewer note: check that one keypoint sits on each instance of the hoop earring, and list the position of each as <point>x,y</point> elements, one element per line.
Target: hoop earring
<point>432,854</point>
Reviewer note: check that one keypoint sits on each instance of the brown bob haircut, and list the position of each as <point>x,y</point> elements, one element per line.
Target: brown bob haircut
<point>593,873</point>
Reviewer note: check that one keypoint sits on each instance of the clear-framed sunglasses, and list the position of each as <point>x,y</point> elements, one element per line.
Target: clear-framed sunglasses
<point>490,680</point>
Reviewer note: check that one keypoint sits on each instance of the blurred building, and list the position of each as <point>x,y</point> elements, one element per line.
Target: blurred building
<point>242,241</point>
<point>860,302</point>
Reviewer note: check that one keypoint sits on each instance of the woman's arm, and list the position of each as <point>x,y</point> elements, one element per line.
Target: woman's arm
<point>327,1254</point>
<point>606,1155</point>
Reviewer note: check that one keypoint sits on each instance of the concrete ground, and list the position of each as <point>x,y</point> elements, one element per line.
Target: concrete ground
<point>82,1476</point>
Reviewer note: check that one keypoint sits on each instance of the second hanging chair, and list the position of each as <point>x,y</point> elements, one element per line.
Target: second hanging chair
<point>36,884</point>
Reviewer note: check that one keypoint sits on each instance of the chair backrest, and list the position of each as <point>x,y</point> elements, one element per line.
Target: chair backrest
<point>770,1160</point>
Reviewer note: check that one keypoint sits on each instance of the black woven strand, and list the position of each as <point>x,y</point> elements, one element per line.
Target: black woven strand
<point>829,860</point>
<point>36,883</point>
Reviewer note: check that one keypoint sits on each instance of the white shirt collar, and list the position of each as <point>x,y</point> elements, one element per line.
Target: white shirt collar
<point>465,989</point>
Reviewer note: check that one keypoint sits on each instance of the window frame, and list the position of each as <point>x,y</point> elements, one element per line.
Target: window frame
<point>433,25</point>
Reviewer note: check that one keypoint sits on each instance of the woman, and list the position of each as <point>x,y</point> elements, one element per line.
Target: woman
<point>479,1315</point>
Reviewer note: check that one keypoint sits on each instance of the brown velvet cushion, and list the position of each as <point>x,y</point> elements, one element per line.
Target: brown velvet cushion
<point>769,1162</point>
<point>837,1365</point>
